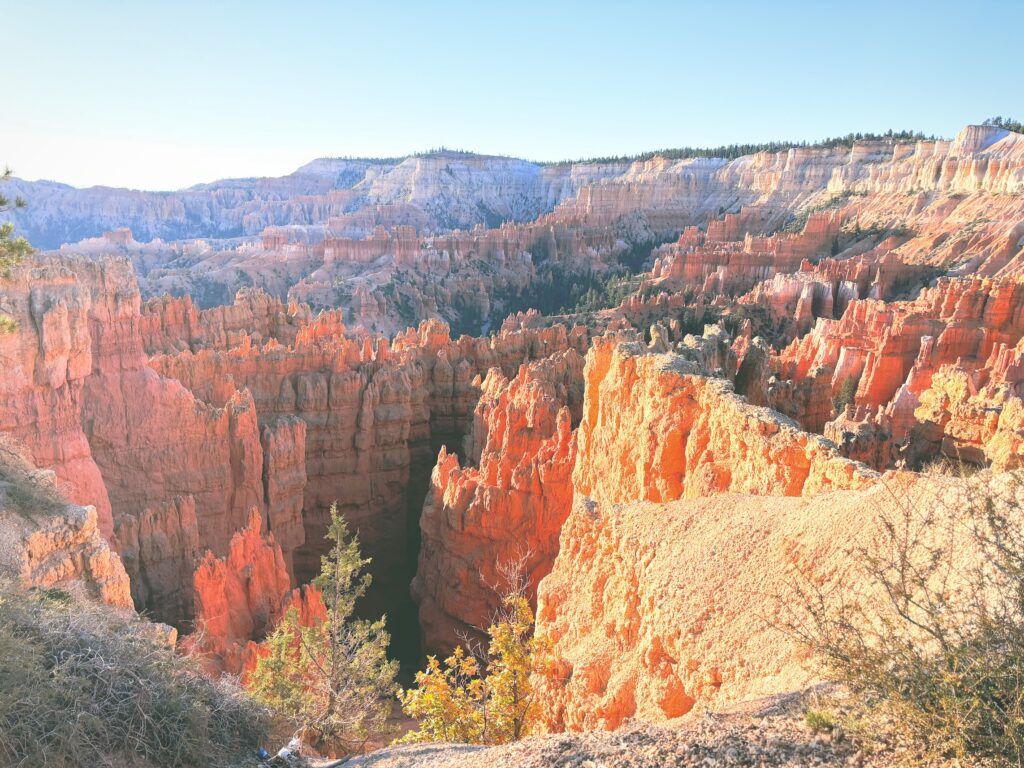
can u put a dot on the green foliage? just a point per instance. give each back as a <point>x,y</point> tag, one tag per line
<point>1007,123</point>
<point>333,678</point>
<point>606,294</point>
<point>82,684</point>
<point>931,641</point>
<point>398,297</point>
<point>732,151</point>
<point>846,393</point>
<point>819,720</point>
<point>8,324</point>
<point>13,250</point>
<point>760,318</point>
<point>486,700</point>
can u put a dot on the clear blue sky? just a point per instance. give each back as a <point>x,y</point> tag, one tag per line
<point>161,95</point>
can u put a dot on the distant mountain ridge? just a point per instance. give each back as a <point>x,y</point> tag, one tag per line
<point>436,192</point>
<point>452,190</point>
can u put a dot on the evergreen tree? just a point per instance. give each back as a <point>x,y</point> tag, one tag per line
<point>13,250</point>
<point>333,678</point>
<point>1007,123</point>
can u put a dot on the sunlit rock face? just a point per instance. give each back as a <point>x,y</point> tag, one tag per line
<point>654,610</point>
<point>938,375</point>
<point>46,359</point>
<point>656,427</point>
<point>504,509</point>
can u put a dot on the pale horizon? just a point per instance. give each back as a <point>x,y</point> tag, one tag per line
<point>165,97</point>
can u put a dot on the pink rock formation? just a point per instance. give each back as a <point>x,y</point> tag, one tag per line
<point>507,509</point>
<point>68,550</point>
<point>238,597</point>
<point>170,325</point>
<point>653,609</point>
<point>46,361</point>
<point>47,543</point>
<point>375,415</point>
<point>160,549</point>
<point>933,374</point>
<point>169,472</point>
<point>284,477</point>
<point>656,427</point>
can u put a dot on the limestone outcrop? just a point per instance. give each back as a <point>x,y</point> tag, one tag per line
<point>166,473</point>
<point>47,543</point>
<point>170,325</point>
<point>46,358</point>
<point>160,549</point>
<point>934,375</point>
<point>373,415</point>
<point>238,597</point>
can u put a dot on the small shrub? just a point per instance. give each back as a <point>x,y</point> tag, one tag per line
<point>86,685</point>
<point>479,700</point>
<point>945,466</point>
<point>846,394</point>
<point>819,721</point>
<point>8,325</point>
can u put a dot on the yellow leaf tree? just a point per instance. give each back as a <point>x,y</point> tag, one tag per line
<point>479,701</point>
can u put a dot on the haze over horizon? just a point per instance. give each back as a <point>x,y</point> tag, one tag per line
<point>553,81</point>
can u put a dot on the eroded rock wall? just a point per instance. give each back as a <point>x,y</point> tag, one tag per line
<point>493,524</point>
<point>656,609</point>
<point>656,427</point>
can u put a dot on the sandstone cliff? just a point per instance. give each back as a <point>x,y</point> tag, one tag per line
<point>238,597</point>
<point>47,543</point>
<point>656,427</point>
<point>654,610</point>
<point>498,518</point>
<point>46,359</point>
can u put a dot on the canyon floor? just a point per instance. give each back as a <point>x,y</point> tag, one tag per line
<point>664,387</point>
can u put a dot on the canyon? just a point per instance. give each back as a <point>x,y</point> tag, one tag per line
<point>775,347</point>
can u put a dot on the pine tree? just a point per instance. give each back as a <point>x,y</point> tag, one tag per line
<point>13,250</point>
<point>333,678</point>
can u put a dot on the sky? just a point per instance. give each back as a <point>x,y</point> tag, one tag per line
<point>162,95</point>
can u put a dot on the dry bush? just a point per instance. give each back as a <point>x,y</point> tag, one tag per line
<point>87,685</point>
<point>8,324</point>
<point>928,631</point>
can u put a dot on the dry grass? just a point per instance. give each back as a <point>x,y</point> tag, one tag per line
<point>24,489</point>
<point>87,685</point>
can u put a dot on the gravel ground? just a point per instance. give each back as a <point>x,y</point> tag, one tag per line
<point>768,733</point>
